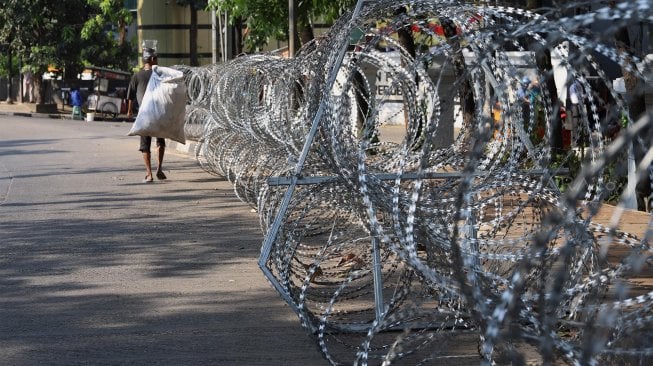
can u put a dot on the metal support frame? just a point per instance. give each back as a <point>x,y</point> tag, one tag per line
<point>276,225</point>
<point>378,279</point>
<point>296,179</point>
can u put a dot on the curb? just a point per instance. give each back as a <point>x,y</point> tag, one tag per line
<point>40,115</point>
<point>190,148</point>
<point>60,115</point>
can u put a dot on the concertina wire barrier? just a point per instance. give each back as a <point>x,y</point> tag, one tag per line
<point>396,251</point>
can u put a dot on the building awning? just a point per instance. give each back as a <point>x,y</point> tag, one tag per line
<point>104,73</point>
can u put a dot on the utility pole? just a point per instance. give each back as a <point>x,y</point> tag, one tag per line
<point>214,38</point>
<point>292,27</point>
<point>223,35</point>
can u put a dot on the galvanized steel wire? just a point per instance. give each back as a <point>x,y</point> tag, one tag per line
<point>475,237</point>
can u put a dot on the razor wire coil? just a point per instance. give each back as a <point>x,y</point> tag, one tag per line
<point>476,239</point>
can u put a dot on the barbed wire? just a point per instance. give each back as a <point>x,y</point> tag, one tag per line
<point>482,235</point>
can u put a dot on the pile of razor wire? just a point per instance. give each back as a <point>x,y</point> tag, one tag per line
<point>408,251</point>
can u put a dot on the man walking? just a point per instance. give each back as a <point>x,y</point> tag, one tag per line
<point>136,91</point>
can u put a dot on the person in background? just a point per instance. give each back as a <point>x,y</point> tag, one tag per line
<point>136,91</point>
<point>576,99</point>
<point>523,98</point>
<point>522,92</point>
<point>529,90</point>
<point>76,100</point>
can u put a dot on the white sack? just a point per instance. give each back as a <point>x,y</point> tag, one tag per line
<point>164,105</point>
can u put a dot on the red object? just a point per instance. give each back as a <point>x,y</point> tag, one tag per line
<point>566,138</point>
<point>439,30</point>
<point>123,106</point>
<point>475,18</point>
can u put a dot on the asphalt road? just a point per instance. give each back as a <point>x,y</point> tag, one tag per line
<point>97,268</point>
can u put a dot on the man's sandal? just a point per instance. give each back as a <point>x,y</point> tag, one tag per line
<point>161,176</point>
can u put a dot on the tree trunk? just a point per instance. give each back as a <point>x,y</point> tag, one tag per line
<point>193,37</point>
<point>634,88</point>
<point>39,88</point>
<point>406,40</point>
<point>122,29</point>
<point>466,91</point>
<point>543,60</point>
<point>533,4</point>
<point>636,102</point>
<point>304,27</point>
<point>238,35</point>
<point>306,34</point>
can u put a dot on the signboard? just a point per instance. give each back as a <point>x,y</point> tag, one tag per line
<point>389,98</point>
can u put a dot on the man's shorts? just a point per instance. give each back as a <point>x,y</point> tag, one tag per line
<point>146,142</point>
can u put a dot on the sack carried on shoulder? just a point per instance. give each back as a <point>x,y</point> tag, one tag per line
<point>163,109</point>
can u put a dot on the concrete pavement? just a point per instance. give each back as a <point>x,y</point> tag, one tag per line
<point>29,110</point>
<point>97,268</point>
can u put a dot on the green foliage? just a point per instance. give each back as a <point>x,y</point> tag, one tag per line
<point>3,65</point>
<point>572,163</point>
<point>613,181</point>
<point>66,34</point>
<point>267,19</point>
<point>264,18</point>
<point>104,34</point>
<point>624,119</point>
<point>330,10</point>
<point>38,32</point>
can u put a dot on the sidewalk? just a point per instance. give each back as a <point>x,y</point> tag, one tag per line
<point>29,110</point>
<point>101,269</point>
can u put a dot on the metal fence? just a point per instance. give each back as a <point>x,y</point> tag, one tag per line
<point>388,249</point>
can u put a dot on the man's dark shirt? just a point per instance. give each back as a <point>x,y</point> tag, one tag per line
<point>138,85</point>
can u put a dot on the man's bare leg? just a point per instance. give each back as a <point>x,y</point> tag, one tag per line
<point>159,169</point>
<point>148,165</point>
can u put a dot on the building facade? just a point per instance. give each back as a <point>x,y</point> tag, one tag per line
<point>169,24</point>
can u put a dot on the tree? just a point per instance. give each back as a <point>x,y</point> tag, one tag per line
<point>268,19</point>
<point>38,34</point>
<point>4,71</point>
<point>264,18</point>
<point>194,6</point>
<point>65,34</point>
<point>104,35</point>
